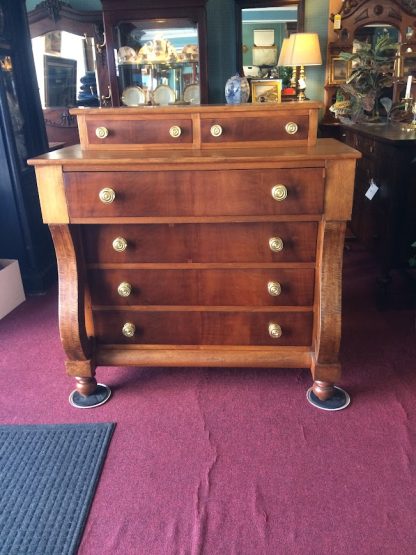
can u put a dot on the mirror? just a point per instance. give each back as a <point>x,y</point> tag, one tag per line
<point>261,28</point>
<point>67,65</point>
<point>371,33</point>
<point>64,64</point>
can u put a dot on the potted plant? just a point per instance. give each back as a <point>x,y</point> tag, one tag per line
<point>371,74</point>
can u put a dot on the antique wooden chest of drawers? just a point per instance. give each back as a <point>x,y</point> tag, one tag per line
<point>199,235</point>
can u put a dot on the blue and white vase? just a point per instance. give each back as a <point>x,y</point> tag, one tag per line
<point>237,90</point>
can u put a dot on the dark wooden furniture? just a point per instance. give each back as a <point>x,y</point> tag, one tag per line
<point>357,14</point>
<point>191,236</point>
<point>156,14</point>
<point>23,236</point>
<point>386,225</point>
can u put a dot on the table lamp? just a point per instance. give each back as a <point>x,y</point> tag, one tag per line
<point>284,61</point>
<point>303,50</point>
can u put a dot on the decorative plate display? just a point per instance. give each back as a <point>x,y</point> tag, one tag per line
<point>192,94</point>
<point>163,95</point>
<point>126,55</point>
<point>157,51</point>
<point>133,96</point>
<point>190,52</point>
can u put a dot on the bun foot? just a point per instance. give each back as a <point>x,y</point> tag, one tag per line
<point>88,394</point>
<point>326,396</point>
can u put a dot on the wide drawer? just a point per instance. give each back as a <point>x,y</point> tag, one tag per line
<point>242,128</point>
<point>213,287</point>
<point>203,328</point>
<point>140,131</point>
<point>194,193</point>
<point>221,243</point>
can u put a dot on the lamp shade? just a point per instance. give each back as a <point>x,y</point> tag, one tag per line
<point>284,54</point>
<point>303,50</point>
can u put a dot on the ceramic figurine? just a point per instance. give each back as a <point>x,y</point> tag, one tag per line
<point>237,90</point>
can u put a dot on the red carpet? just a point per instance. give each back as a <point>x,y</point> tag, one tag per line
<point>211,461</point>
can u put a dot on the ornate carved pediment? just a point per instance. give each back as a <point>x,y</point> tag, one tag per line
<point>53,8</point>
<point>409,5</point>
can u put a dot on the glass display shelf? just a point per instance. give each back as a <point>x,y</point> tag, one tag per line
<point>157,62</point>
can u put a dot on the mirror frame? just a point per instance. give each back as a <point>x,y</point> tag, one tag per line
<point>244,4</point>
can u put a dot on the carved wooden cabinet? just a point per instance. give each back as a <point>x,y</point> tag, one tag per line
<point>208,235</point>
<point>386,222</point>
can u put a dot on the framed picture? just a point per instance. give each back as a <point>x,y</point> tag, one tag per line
<point>60,81</point>
<point>266,90</point>
<point>53,42</point>
<point>339,70</point>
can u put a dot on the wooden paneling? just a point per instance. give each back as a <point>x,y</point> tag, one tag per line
<point>195,193</point>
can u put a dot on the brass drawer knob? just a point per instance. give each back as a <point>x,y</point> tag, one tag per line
<point>276,244</point>
<point>275,331</point>
<point>129,329</point>
<point>291,128</point>
<point>175,131</point>
<point>101,132</point>
<point>119,244</point>
<point>216,130</point>
<point>107,195</point>
<point>124,289</point>
<point>279,192</point>
<point>274,288</point>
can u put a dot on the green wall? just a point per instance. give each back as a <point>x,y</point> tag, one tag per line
<point>222,42</point>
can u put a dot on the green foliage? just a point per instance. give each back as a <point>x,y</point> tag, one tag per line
<point>372,72</point>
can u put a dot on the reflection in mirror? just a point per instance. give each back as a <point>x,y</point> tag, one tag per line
<point>262,26</point>
<point>371,33</point>
<point>64,64</point>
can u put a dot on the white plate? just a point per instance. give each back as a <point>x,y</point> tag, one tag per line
<point>126,55</point>
<point>133,96</point>
<point>192,94</point>
<point>163,94</point>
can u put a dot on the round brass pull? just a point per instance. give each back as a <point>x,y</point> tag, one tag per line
<point>128,330</point>
<point>274,288</point>
<point>107,195</point>
<point>101,132</point>
<point>216,130</point>
<point>119,244</point>
<point>291,128</point>
<point>276,244</point>
<point>175,131</point>
<point>124,289</point>
<point>279,192</point>
<point>275,331</point>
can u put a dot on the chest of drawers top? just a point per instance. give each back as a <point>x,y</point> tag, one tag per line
<point>198,127</point>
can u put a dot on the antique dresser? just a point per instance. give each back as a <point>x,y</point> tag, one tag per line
<point>199,236</point>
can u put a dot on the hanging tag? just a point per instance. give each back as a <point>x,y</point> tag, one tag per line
<point>372,190</point>
<point>337,22</point>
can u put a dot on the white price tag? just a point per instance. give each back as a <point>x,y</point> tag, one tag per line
<point>372,190</point>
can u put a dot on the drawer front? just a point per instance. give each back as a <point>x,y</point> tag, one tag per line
<point>241,129</point>
<point>203,328</point>
<point>138,131</point>
<point>223,243</point>
<point>366,145</point>
<point>234,287</point>
<point>195,193</point>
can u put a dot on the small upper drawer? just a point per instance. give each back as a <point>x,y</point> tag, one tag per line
<point>366,145</point>
<point>195,127</point>
<point>107,132</point>
<point>250,128</point>
<point>194,193</point>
